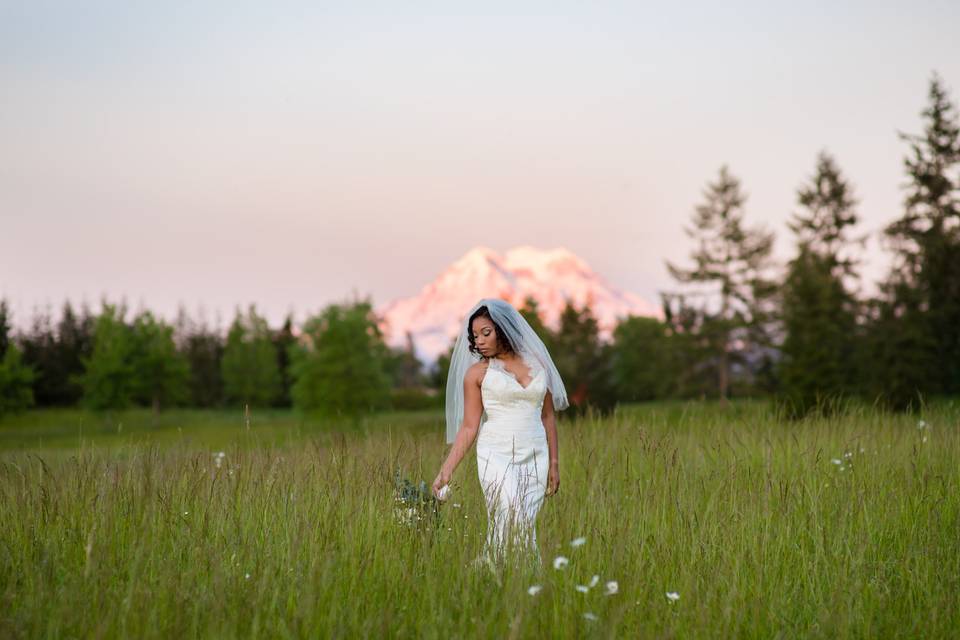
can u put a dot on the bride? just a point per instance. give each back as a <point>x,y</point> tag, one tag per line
<point>501,371</point>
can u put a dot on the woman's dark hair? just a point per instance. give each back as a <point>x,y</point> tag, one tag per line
<point>502,340</point>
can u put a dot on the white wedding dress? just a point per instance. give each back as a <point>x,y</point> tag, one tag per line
<point>512,459</point>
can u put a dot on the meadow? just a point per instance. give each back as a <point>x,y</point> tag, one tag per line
<point>207,524</point>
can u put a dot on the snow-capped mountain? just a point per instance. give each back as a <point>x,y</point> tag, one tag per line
<point>551,277</point>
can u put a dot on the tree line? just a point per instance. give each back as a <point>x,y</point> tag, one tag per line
<point>337,364</point>
<point>737,323</point>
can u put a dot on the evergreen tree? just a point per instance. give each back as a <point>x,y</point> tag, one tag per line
<point>403,366</point>
<point>643,366</point>
<point>5,328</point>
<point>56,354</point>
<point>732,261</point>
<point>818,311</point>
<point>39,345</point>
<point>341,367</point>
<point>583,360</point>
<point>249,366</point>
<point>202,347</point>
<point>16,378</point>
<point>283,342</point>
<point>161,372</point>
<point>74,343</point>
<point>109,376</point>
<point>531,313</point>
<point>919,330</point>
<point>692,347</point>
<point>441,368</point>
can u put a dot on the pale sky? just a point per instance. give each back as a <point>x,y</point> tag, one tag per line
<point>290,154</point>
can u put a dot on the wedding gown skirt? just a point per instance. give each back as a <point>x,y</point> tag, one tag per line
<point>512,460</point>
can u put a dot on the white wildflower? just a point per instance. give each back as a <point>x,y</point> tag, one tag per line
<point>246,577</point>
<point>922,424</point>
<point>673,596</point>
<point>576,542</point>
<point>534,590</point>
<point>582,588</point>
<point>594,580</point>
<point>590,616</point>
<point>836,461</point>
<point>612,587</point>
<point>560,562</point>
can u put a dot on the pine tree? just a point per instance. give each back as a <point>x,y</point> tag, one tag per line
<point>5,327</point>
<point>403,366</point>
<point>74,342</point>
<point>919,330</point>
<point>692,347</point>
<point>818,311</point>
<point>16,377</point>
<point>283,341</point>
<point>732,261</point>
<point>582,360</point>
<point>202,347</point>
<point>531,313</point>
<point>643,365</point>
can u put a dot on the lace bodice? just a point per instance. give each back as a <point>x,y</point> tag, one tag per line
<point>506,401</point>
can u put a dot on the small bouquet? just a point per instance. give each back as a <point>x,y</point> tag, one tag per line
<point>416,503</point>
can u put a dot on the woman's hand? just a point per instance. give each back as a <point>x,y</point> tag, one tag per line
<point>553,480</point>
<point>443,478</point>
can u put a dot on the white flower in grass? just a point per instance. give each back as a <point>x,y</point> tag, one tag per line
<point>576,542</point>
<point>836,461</point>
<point>590,616</point>
<point>922,424</point>
<point>612,587</point>
<point>246,576</point>
<point>560,562</point>
<point>593,581</point>
<point>582,588</point>
<point>186,513</point>
<point>534,589</point>
<point>673,596</point>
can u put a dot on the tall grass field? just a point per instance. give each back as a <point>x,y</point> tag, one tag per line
<point>698,521</point>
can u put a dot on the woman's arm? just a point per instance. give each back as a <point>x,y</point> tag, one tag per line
<point>549,418</point>
<point>472,410</point>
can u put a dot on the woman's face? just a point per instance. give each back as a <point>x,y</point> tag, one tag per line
<point>485,337</point>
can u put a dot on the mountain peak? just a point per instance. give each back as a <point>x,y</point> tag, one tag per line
<point>552,277</point>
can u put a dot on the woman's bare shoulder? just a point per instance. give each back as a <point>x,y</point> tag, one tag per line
<point>476,371</point>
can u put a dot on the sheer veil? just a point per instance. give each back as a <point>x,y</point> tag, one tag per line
<point>525,342</point>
